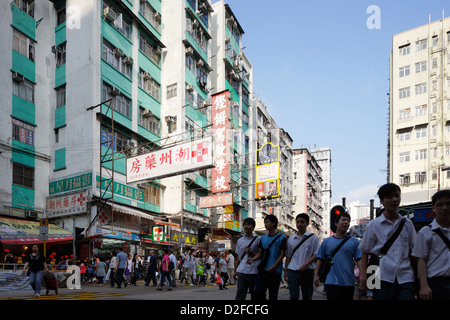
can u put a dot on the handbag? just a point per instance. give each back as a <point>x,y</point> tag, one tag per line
<point>266,253</point>
<point>374,260</point>
<point>200,270</point>
<point>328,262</point>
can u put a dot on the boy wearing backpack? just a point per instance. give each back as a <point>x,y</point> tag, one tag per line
<point>432,249</point>
<point>272,249</point>
<point>396,273</point>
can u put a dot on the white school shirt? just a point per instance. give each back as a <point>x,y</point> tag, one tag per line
<point>432,248</point>
<point>395,264</point>
<point>303,253</point>
<point>243,266</point>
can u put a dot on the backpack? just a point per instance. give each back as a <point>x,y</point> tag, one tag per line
<point>171,266</point>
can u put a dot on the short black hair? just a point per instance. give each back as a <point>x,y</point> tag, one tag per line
<point>339,216</point>
<point>440,194</point>
<point>272,218</point>
<point>387,189</point>
<point>249,221</point>
<point>302,216</point>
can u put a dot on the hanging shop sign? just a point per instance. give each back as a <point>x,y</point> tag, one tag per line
<point>218,200</point>
<point>68,204</point>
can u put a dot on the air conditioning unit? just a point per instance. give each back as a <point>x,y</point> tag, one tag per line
<point>190,87</point>
<point>235,104</point>
<point>128,144</point>
<point>227,39</point>
<point>109,14</point>
<point>128,61</point>
<point>146,76</point>
<point>194,23</point>
<point>31,214</point>
<point>157,16</point>
<point>200,63</point>
<point>170,118</point>
<point>147,113</point>
<point>114,92</point>
<point>189,51</point>
<point>206,103</point>
<point>118,52</point>
<point>142,185</point>
<point>17,77</point>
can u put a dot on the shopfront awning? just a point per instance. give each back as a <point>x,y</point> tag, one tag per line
<point>16,231</point>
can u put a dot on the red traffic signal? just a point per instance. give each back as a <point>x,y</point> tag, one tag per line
<point>335,211</point>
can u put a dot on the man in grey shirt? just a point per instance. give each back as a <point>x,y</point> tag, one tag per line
<point>121,264</point>
<point>246,273</point>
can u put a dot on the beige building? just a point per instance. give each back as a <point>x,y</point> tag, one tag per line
<point>419,113</point>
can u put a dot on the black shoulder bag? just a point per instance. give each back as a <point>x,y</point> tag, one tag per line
<point>375,260</point>
<point>266,253</point>
<point>249,246</point>
<point>301,242</point>
<point>328,262</point>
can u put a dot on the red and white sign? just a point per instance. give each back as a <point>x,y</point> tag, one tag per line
<point>185,157</point>
<point>218,200</point>
<point>220,119</point>
<point>67,205</point>
<point>158,233</point>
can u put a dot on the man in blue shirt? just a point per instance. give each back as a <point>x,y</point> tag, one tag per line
<point>270,267</point>
<point>121,259</point>
<point>340,281</point>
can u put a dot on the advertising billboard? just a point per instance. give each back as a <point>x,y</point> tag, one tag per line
<point>267,171</point>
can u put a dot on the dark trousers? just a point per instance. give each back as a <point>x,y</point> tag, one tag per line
<point>166,274</point>
<point>335,292</point>
<point>112,277</point>
<point>440,288</point>
<point>395,291</point>
<point>303,279</point>
<point>120,278</point>
<point>245,282</point>
<point>264,281</point>
<point>224,276</point>
<point>151,276</point>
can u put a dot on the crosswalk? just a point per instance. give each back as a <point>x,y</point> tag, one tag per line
<point>69,296</point>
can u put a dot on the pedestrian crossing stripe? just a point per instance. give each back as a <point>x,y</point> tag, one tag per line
<point>69,296</point>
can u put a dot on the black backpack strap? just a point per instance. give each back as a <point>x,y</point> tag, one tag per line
<point>273,241</point>
<point>340,246</point>
<point>301,242</point>
<point>443,237</point>
<point>392,239</point>
<point>249,246</point>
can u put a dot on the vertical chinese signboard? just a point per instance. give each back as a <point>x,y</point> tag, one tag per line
<point>220,119</point>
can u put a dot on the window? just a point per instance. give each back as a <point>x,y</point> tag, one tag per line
<point>114,57</point>
<point>404,71</point>
<point>190,129</point>
<point>404,136</point>
<point>152,195</point>
<point>404,92</point>
<point>23,44</point>
<point>150,49</point>
<point>421,132</point>
<point>405,179</point>
<point>150,15</point>
<point>421,154</point>
<point>421,110</point>
<point>171,91</point>
<point>60,53</point>
<point>149,121</point>
<point>421,88</point>
<point>405,157</point>
<point>149,85</point>
<point>434,41</point>
<point>404,50</point>
<point>421,66</point>
<point>420,177</point>
<point>26,6</point>
<point>421,45</point>
<point>404,114</point>
<point>434,64</point>
<point>23,175</point>
<point>434,107</point>
<point>61,96</point>
<point>23,132</point>
<point>61,16</point>
<point>119,141</point>
<point>24,90</point>
<point>119,23</point>
<point>120,103</point>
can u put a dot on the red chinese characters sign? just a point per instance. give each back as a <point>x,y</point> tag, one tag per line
<point>218,200</point>
<point>220,120</point>
<point>185,157</point>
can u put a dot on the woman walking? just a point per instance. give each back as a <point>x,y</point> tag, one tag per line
<point>35,263</point>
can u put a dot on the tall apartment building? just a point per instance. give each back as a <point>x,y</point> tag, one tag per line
<point>307,188</point>
<point>419,127</point>
<point>266,131</point>
<point>323,158</point>
<point>87,84</point>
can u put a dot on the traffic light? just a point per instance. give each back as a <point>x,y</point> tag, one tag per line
<point>334,212</point>
<point>78,237</point>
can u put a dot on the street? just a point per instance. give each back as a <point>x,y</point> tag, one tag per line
<point>140,292</point>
